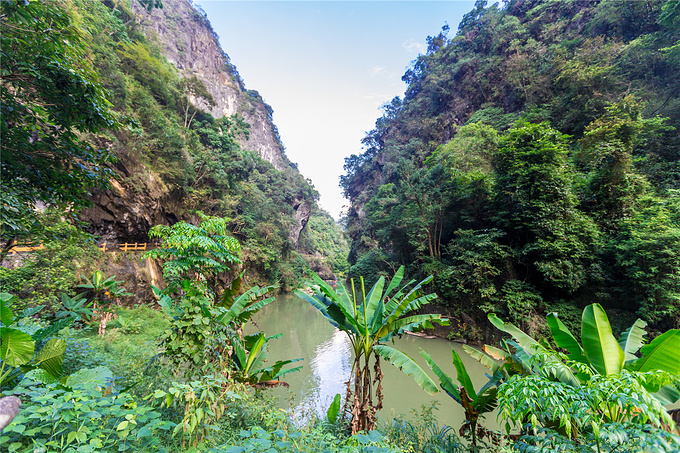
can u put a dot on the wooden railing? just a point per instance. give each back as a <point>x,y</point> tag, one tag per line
<point>129,247</point>
<point>25,248</point>
<point>104,247</point>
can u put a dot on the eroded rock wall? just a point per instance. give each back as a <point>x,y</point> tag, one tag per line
<point>189,43</point>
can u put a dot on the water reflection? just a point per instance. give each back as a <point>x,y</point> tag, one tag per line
<point>330,366</point>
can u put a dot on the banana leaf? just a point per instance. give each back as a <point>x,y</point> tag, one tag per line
<point>601,348</point>
<point>482,358</point>
<point>445,381</point>
<point>632,339</point>
<point>662,353</point>
<point>408,366</point>
<point>564,338</point>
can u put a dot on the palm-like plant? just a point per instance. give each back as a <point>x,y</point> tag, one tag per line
<point>598,361</point>
<point>102,292</point>
<point>475,404</point>
<point>248,358</point>
<point>599,352</point>
<point>369,321</point>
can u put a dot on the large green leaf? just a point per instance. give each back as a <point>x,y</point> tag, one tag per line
<point>239,355</point>
<point>333,409</point>
<point>601,348</point>
<point>445,381</point>
<point>275,371</point>
<point>6,316</point>
<point>662,353</point>
<point>463,376</point>
<point>340,297</point>
<point>564,338</point>
<point>408,366</point>
<point>16,347</point>
<point>373,299</point>
<point>632,339</point>
<point>482,358</point>
<point>51,356</point>
<point>90,377</point>
<point>316,303</point>
<point>530,345</point>
<point>410,324</point>
<point>396,280</point>
<point>667,395</point>
<point>230,292</point>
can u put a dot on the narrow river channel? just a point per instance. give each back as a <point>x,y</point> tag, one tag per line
<point>326,365</point>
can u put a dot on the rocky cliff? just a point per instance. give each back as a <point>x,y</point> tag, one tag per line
<point>189,43</point>
<point>139,198</point>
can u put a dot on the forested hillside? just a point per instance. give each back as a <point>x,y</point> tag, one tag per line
<point>95,116</point>
<point>532,165</point>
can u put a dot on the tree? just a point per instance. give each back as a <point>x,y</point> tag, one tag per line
<point>607,148</point>
<point>537,206</point>
<point>369,321</point>
<point>647,254</point>
<point>199,253</point>
<point>50,97</point>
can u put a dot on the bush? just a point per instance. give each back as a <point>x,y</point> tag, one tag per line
<point>85,419</point>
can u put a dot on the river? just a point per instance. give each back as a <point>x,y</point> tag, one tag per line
<point>326,365</point>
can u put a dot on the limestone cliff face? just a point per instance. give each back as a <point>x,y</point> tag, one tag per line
<point>189,43</point>
<point>138,199</point>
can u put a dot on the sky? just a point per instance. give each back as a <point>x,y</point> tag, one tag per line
<point>326,68</point>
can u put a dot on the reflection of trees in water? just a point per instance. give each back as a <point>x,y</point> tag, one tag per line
<point>331,369</point>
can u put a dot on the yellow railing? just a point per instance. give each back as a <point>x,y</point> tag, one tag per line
<point>128,247</point>
<point>25,248</point>
<point>104,247</point>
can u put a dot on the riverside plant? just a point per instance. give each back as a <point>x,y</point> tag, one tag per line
<point>370,319</point>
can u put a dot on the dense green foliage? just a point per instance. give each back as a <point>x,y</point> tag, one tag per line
<point>100,103</point>
<point>50,96</point>
<point>41,277</point>
<point>532,164</point>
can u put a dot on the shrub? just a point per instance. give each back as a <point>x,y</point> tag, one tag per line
<point>84,418</point>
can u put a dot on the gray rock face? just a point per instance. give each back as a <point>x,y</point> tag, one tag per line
<point>189,43</point>
<point>9,408</point>
<point>302,213</point>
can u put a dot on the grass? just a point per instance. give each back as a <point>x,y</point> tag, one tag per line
<point>127,348</point>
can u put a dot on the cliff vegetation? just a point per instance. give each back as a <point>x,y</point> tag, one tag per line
<point>532,166</point>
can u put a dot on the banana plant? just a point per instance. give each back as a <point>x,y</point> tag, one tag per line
<point>475,404</point>
<point>99,291</point>
<point>248,358</point>
<point>370,320</point>
<point>18,353</point>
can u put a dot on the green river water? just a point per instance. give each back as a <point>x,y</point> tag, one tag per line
<point>326,365</point>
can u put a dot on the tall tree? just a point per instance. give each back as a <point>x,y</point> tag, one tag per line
<point>536,205</point>
<point>50,97</point>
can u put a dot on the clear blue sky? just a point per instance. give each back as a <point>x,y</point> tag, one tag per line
<point>326,68</point>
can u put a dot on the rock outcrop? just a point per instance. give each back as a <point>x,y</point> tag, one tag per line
<point>139,199</point>
<point>189,43</point>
